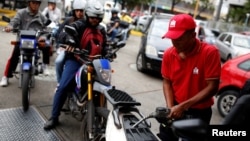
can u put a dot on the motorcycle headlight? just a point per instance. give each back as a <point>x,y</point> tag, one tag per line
<point>106,75</point>
<point>27,43</point>
<point>151,50</point>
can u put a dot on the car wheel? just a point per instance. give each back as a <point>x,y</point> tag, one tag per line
<point>226,101</point>
<point>140,63</point>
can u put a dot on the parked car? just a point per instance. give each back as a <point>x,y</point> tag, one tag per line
<point>206,34</point>
<point>234,74</point>
<point>152,46</point>
<point>245,33</point>
<point>143,22</point>
<point>232,44</point>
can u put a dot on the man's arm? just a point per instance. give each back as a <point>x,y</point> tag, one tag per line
<point>206,93</point>
<point>168,92</point>
<point>45,11</point>
<point>15,22</point>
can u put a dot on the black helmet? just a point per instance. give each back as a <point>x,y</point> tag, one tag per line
<point>94,9</point>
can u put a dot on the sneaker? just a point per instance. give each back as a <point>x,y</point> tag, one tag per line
<point>4,82</point>
<point>46,70</point>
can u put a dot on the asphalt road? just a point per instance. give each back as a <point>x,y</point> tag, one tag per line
<point>146,88</point>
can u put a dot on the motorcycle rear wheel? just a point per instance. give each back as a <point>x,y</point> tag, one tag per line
<point>26,90</point>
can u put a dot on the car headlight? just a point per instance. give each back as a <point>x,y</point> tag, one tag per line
<point>27,43</point>
<point>151,50</point>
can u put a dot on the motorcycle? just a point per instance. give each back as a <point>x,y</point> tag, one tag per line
<point>123,31</point>
<point>27,40</point>
<point>236,119</point>
<point>53,28</point>
<point>86,102</point>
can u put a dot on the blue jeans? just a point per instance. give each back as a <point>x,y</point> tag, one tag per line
<point>59,64</point>
<point>67,83</point>
<point>113,34</point>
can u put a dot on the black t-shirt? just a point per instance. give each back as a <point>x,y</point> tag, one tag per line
<point>114,20</point>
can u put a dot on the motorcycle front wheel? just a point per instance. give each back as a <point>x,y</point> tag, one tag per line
<point>98,127</point>
<point>26,89</point>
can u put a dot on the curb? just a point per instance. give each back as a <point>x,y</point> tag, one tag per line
<point>136,33</point>
<point>2,23</point>
<point>8,13</point>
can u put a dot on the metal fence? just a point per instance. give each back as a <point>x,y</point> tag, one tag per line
<point>227,27</point>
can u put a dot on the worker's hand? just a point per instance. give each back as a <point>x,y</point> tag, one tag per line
<point>176,112</point>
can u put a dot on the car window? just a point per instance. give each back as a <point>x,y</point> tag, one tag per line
<point>229,38</point>
<point>242,42</point>
<point>222,37</point>
<point>159,27</point>
<point>245,65</point>
<point>201,31</point>
<point>208,32</point>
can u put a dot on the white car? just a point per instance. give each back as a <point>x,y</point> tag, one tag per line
<point>143,22</point>
<point>232,44</point>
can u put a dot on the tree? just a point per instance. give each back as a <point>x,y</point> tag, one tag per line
<point>203,6</point>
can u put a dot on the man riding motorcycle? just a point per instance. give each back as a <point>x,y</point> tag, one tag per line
<point>29,18</point>
<point>94,15</point>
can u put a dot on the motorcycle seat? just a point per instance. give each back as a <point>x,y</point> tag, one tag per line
<point>120,98</point>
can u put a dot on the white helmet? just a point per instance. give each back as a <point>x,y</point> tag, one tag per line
<point>124,11</point>
<point>79,4</point>
<point>94,9</point>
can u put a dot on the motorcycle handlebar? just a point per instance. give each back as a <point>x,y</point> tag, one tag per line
<point>160,112</point>
<point>85,53</point>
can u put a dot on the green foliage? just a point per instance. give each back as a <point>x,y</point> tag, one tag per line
<point>238,14</point>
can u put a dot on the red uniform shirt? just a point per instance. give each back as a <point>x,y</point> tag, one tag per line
<point>189,75</point>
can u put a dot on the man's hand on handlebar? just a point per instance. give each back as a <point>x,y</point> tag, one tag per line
<point>8,29</point>
<point>70,48</point>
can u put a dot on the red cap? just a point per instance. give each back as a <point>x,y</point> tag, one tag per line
<point>178,25</point>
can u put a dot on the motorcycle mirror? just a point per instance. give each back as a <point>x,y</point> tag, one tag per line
<point>70,30</point>
<point>121,44</point>
<point>5,18</point>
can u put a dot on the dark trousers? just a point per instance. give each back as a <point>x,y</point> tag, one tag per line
<point>14,58</point>
<point>66,83</point>
<point>166,133</point>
